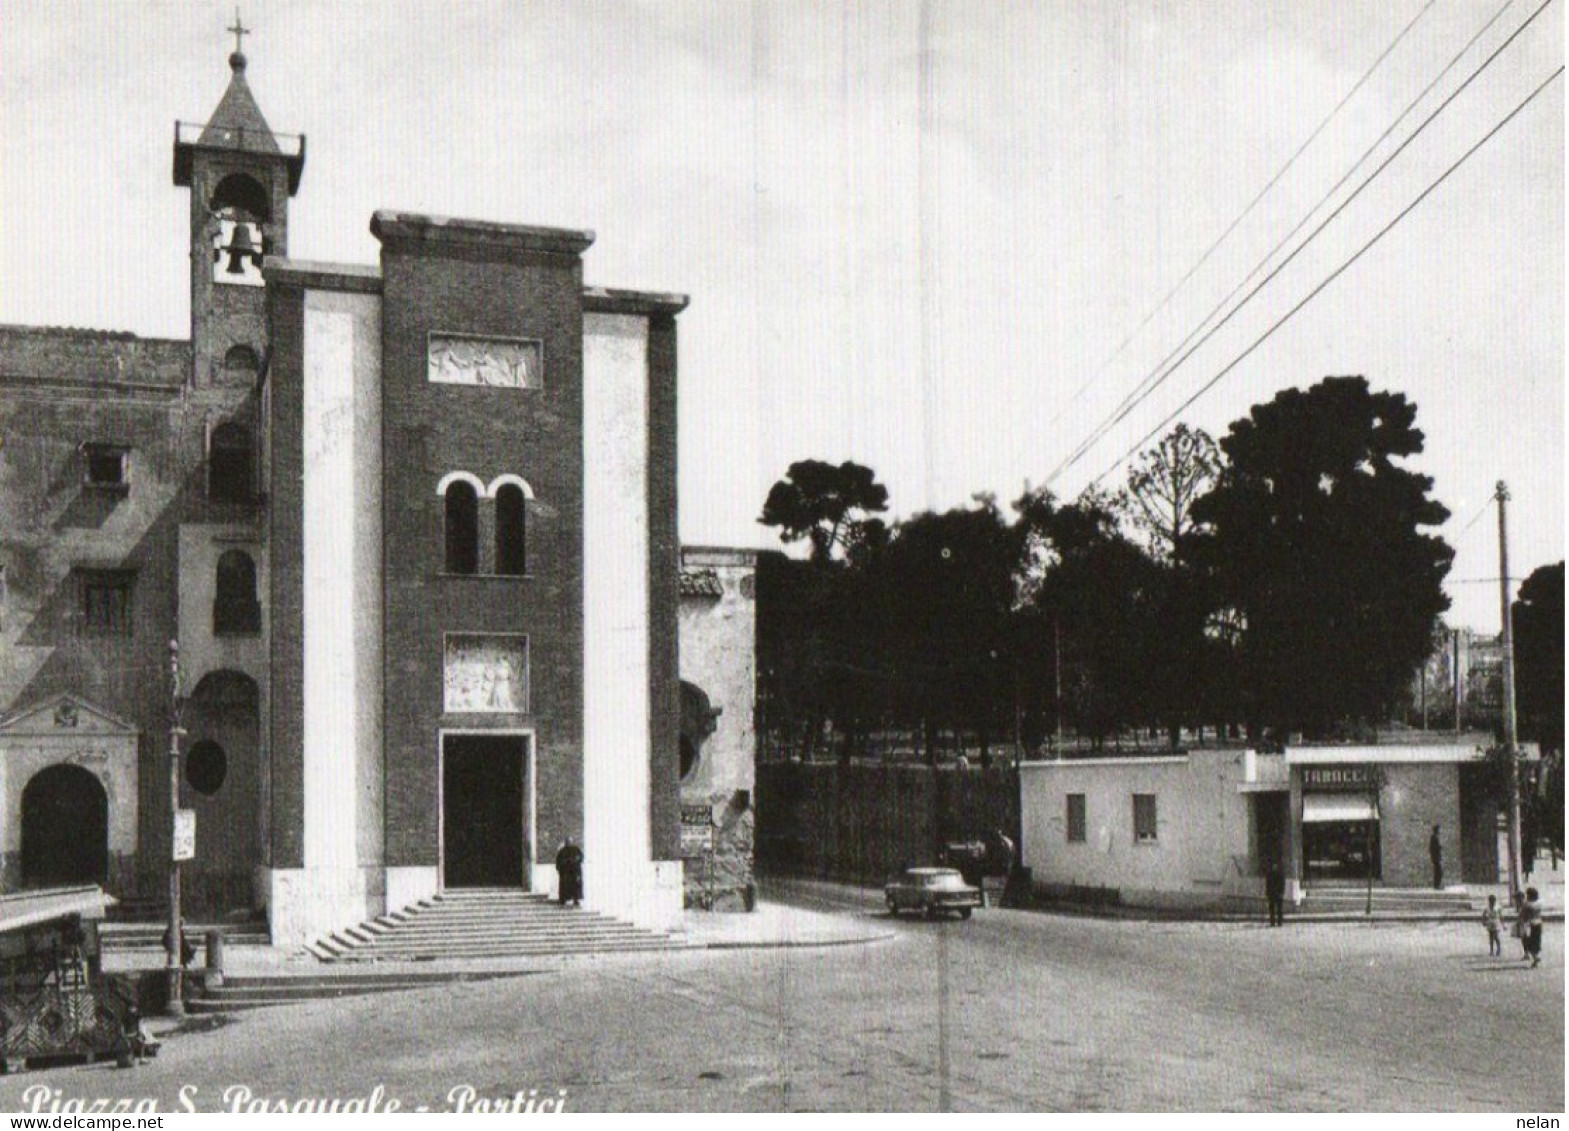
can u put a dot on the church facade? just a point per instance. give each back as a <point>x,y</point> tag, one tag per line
<point>389,550</point>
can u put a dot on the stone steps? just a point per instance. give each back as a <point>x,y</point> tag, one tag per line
<point>486,925</point>
<point>1347,897</point>
<point>240,994</point>
<point>131,938</point>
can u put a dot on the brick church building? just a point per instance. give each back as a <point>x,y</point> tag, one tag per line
<point>413,529</point>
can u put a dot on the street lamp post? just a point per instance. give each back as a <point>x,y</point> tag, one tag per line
<point>173,936</point>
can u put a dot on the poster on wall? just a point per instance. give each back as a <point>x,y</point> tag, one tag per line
<point>185,834</point>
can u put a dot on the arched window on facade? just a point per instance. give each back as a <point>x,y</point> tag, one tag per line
<point>229,464</point>
<point>511,531</point>
<point>235,609</point>
<point>241,365</point>
<point>462,527</point>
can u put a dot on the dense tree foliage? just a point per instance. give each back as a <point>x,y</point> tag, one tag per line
<point>1314,536</point>
<point>828,505</point>
<point>1284,579</point>
<point>1538,616</point>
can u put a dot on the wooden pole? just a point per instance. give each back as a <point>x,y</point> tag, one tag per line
<point>1511,753</point>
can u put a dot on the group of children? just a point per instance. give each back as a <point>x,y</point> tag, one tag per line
<point>1527,926</point>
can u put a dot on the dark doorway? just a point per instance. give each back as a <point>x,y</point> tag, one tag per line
<point>65,828</point>
<point>482,802</point>
<point>1272,823</point>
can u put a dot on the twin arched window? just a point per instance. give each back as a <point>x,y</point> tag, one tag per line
<point>464,523</point>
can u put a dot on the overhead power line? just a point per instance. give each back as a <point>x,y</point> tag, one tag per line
<point>1157,375</point>
<point>1477,517</point>
<point>1316,291</point>
<point>1246,212</point>
<point>1124,410</point>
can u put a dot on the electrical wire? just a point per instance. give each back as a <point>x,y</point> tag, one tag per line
<point>1156,377</point>
<point>1316,291</point>
<point>1245,213</point>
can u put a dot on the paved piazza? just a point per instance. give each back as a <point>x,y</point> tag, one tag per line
<point>1009,1011</point>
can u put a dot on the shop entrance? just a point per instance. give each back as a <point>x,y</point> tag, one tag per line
<point>483,803</point>
<point>1340,838</point>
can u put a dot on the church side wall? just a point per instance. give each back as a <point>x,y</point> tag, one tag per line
<point>60,389</point>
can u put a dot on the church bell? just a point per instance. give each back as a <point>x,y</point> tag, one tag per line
<point>240,249</point>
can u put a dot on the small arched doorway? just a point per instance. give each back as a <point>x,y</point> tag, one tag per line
<point>65,828</point>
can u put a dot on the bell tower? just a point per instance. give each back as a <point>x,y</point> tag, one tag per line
<point>241,176</point>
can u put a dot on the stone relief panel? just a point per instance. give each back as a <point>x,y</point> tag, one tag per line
<point>498,363</point>
<point>486,674</point>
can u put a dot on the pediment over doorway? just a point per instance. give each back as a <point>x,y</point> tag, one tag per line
<point>65,714</point>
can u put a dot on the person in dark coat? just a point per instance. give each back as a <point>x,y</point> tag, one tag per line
<point>569,872</point>
<point>1275,893</point>
<point>186,947</point>
<point>1435,850</point>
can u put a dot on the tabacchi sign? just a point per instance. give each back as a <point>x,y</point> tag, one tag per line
<point>1346,778</point>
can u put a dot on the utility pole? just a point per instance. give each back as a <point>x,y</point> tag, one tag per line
<point>1511,753</point>
<point>174,934</point>
<point>1056,635</point>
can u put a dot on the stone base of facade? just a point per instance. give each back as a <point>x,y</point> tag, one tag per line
<point>724,880</point>
<point>651,899</point>
<point>306,903</point>
<point>409,885</point>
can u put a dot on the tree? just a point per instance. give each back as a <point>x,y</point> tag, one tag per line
<point>1538,617</point>
<point>825,504</point>
<point>1166,481</point>
<point>1099,599</point>
<point>945,589</point>
<point>1315,542</point>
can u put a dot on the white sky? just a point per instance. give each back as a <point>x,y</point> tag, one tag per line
<point>1070,163</point>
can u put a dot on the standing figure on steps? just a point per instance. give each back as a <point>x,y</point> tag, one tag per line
<point>569,871</point>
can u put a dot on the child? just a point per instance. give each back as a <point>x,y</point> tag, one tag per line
<point>1492,920</point>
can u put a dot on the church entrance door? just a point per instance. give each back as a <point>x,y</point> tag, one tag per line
<point>483,801</point>
<point>65,828</point>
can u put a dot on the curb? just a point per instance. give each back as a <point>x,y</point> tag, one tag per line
<point>795,944</point>
<point>1154,915</point>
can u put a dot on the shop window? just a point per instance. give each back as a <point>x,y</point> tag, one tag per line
<point>206,767</point>
<point>462,527</point>
<point>511,531</point>
<point>1144,818</point>
<point>106,602</point>
<point>1077,822</point>
<point>229,464</point>
<point>106,467</point>
<point>235,609</point>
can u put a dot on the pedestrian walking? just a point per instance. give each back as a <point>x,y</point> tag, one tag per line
<point>1435,849</point>
<point>1531,921</point>
<point>1275,893</point>
<point>1517,929</point>
<point>569,874</point>
<point>1492,919</point>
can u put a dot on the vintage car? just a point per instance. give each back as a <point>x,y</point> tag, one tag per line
<point>935,891</point>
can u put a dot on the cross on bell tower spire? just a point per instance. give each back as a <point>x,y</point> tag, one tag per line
<point>240,31</point>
